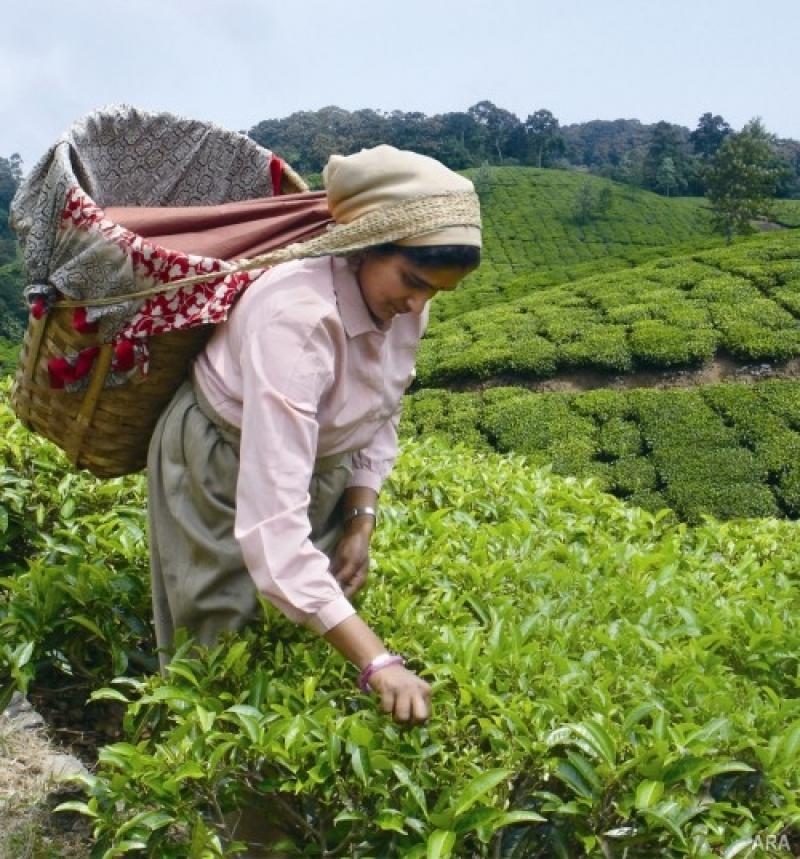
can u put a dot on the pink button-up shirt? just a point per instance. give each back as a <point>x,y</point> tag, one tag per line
<point>305,371</point>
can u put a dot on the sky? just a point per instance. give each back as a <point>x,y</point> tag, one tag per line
<point>236,62</point>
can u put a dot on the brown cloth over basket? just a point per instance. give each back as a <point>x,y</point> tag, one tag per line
<point>125,201</point>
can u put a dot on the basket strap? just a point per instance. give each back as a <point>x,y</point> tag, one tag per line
<point>83,419</point>
<point>141,293</point>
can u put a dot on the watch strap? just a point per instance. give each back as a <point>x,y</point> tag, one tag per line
<point>353,512</point>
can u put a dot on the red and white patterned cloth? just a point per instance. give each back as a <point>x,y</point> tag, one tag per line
<point>185,307</point>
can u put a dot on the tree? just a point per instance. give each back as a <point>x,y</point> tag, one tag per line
<point>589,203</point>
<point>583,204</point>
<point>498,122</point>
<point>666,142</point>
<point>631,168</point>
<point>10,177</point>
<point>482,181</point>
<point>742,179</point>
<point>605,200</point>
<point>666,176</point>
<point>462,134</point>
<point>788,153</point>
<point>543,135</point>
<point>707,138</point>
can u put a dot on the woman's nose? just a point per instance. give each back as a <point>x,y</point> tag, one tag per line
<point>416,303</point>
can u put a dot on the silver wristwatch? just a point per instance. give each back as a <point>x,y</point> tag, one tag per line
<point>352,512</point>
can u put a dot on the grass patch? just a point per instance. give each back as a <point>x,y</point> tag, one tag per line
<point>28,793</point>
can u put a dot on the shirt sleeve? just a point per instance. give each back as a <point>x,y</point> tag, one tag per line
<point>373,463</point>
<point>284,376</point>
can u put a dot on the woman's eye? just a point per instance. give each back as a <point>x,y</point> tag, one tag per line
<point>415,284</point>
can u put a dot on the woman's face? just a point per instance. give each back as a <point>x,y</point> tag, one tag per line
<point>394,284</point>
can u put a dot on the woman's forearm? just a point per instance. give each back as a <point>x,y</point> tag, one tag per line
<point>353,638</point>
<point>360,496</point>
<point>355,641</point>
<point>403,694</point>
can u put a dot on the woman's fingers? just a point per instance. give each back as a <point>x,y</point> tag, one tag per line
<point>351,563</point>
<point>402,708</point>
<point>411,708</point>
<point>420,709</point>
<point>388,699</point>
<point>355,582</point>
<point>344,570</point>
<point>403,694</point>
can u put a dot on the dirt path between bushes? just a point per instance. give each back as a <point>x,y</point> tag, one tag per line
<point>723,368</point>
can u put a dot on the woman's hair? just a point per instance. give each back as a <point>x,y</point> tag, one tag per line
<point>433,256</point>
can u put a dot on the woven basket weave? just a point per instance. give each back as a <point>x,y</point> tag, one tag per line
<point>103,429</point>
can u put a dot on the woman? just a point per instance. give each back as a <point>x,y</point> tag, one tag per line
<point>265,469</point>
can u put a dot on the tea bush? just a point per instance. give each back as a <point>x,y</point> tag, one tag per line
<point>605,680</point>
<point>9,354</point>
<point>675,312</point>
<point>787,212</point>
<point>727,450</point>
<point>531,239</point>
<point>74,593</point>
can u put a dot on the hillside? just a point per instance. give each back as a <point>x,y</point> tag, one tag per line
<point>728,450</point>
<point>13,309</point>
<point>677,311</point>
<point>787,212</point>
<point>532,238</point>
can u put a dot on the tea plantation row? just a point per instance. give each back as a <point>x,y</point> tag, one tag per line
<point>532,238</point>
<point>606,680</point>
<point>675,312</point>
<point>728,450</point>
<point>787,212</point>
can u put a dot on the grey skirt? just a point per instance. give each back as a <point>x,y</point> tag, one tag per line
<point>199,578</point>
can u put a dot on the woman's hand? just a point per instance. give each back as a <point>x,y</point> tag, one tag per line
<point>351,559</point>
<point>403,694</point>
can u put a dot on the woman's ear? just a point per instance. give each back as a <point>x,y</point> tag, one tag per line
<point>354,261</point>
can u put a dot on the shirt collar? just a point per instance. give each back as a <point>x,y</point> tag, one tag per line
<point>355,314</point>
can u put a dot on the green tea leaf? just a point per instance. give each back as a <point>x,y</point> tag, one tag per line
<point>440,844</point>
<point>648,793</point>
<point>477,788</point>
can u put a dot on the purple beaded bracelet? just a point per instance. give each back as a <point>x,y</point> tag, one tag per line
<point>384,660</point>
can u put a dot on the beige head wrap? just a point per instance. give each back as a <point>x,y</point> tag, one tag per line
<point>385,179</point>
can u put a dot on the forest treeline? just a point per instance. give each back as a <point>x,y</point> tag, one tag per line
<point>10,177</point>
<point>13,310</point>
<point>662,157</point>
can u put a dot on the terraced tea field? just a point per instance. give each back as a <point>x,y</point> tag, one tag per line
<point>729,450</point>
<point>679,311</point>
<point>532,239</point>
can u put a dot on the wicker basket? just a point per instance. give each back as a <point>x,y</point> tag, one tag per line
<point>103,429</point>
